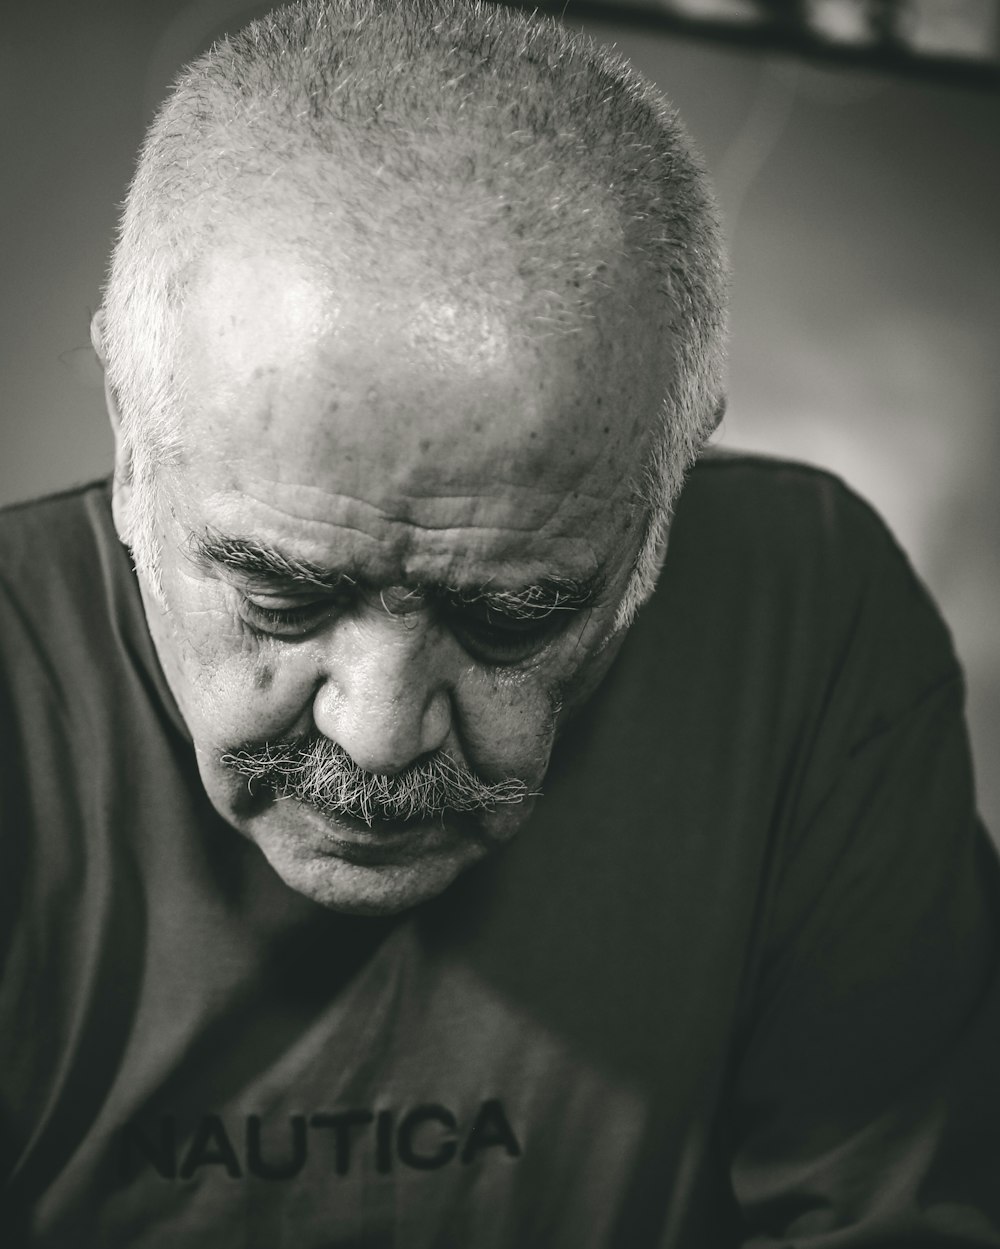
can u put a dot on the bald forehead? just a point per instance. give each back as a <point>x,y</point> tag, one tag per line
<point>424,356</point>
<point>423,431</point>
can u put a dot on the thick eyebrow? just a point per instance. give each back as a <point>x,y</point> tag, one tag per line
<point>532,602</point>
<point>252,558</point>
<point>256,559</point>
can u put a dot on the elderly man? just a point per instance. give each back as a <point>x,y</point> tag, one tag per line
<point>383,864</point>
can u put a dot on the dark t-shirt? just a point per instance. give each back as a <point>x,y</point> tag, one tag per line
<point>733,984</point>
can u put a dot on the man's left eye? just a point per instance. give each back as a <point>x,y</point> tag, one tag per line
<point>499,640</point>
<point>285,617</point>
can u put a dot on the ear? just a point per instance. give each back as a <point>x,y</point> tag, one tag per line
<point>122,486</point>
<point>720,412</point>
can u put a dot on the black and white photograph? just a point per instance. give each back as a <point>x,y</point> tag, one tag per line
<point>500,624</point>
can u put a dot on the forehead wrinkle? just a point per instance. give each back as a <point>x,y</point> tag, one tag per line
<point>532,502</point>
<point>388,530</point>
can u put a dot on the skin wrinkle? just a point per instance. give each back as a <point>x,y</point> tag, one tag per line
<point>387,539</point>
<point>443,492</point>
<point>560,500</point>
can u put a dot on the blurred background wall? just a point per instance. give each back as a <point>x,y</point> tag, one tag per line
<point>862,210</point>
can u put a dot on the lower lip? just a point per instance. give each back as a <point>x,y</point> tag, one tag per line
<point>370,852</point>
<point>381,843</point>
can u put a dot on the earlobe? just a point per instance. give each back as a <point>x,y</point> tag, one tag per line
<point>97,336</point>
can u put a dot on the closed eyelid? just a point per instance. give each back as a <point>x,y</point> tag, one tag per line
<point>279,585</point>
<point>279,602</point>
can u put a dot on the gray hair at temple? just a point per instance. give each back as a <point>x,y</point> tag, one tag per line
<point>380,120</point>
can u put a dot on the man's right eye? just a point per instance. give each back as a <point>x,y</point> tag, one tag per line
<point>287,618</point>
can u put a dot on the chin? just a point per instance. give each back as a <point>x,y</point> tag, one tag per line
<point>360,870</point>
<point>368,889</point>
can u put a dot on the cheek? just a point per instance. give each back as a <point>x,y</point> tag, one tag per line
<point>262,676</point>
<point>250,698</point>
<point>506,723</point>
<point>231,688</point>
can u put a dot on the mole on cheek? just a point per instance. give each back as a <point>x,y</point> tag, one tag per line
<point>263,676</point>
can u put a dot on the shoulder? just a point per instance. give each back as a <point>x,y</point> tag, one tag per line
<point>780,518</point>
<point>789,557</point>
<point>796,506</point>
<point>65,521</point>
<point>51,548</point>
<point>59,559</point>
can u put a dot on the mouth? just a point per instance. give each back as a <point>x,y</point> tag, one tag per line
<point>383,841</point>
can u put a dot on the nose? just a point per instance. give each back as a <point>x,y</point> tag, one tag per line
<point>381,699</point>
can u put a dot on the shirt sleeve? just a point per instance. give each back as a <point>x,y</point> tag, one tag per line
<point>866,1093</point>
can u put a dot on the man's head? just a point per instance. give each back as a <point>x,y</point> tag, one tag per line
<point>414,324</point>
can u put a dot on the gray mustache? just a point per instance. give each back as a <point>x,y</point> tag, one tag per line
<point>321,773</point>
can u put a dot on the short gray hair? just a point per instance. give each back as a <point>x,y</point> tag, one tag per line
<point>394,102</point>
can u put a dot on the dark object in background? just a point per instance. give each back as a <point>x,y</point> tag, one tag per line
<point>955,42</point>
